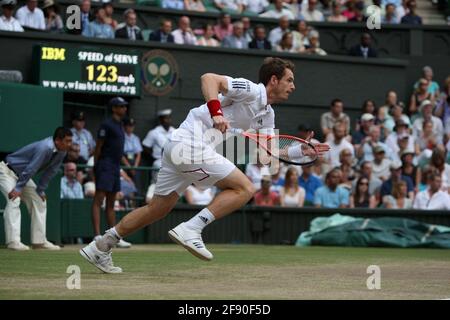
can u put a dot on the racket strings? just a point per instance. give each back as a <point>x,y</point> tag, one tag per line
<point>278,144</point>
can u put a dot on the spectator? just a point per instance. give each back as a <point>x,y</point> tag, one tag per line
<point>310,183</point>
<point>350,10</point>
<point>411,17</point>
<point>390,102</point>
<point>277,12</point>
<point>109,11</point>
<point>337,144</point>
<point>443,107</point>
<point>194,5</point>
<point>361,198</point>
<point>107,156</point>
<point>380,167</point>
<point>370,107</point>
<point>374,183</point>
<point>248,31</point>
<point>336,114</point>
<point>433,198</point>
<point>73,155</point>
<point>420,95</point>
<point>224,28</point>
<point>301,35</point>
<point>16,184</point>
<point>427,140</point>
<point>331,195</point>
<point>156,138</point>
<point>277,179</point>
<point>98,28</point>
<point>197,195</point>
<point>426,109</point>
<point>311,14</point>
<point>266,197</point>
<point>82,136</point>
<point>53,21</point>
<point>86,15</point>
<point>286,44</point>
<point>292,195</point>
<point>365,151</point>
<point>390,16</point>
<point>314,45</point>
<point>364,49</point>
<point>346,158</point>
<point>409,169</point>
<point>276,34</point>
<point>395,114</point>
<point>396,176</point>
<point>207,39</point>
<point>132,147</point>
<point>70,187</point>
<point>367,121</point>
<point>184,33</point>
<point>336,15</point>
<point>403,142</point>
<point>164,33</point>
<point>401,10</point>
<point>7,21</point>
<point>437,162</point>
<point>358,13</point>
<point>260,41</point>
<point>172,4</point>
<point>401,130</point>
<point>230,6</point>
<point>398,199</point>
<point>31,16</point>
<point>130,31</point>
<point>255,172</point>
<point>127,190</point>
<point>237,40</point>
<point>255,7</point>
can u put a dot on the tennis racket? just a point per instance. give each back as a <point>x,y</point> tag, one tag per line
<point>286,148</point>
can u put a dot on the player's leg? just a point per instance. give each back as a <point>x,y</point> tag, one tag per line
<point>99,197</point>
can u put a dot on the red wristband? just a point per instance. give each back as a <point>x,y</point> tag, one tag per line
<point>214,108</point>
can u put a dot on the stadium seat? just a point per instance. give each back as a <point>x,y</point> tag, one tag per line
<point>209,6</point>
<point>146,33</point>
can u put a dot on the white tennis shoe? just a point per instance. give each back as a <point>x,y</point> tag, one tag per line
<point>123,244</point>
<point>100,259</point>
<point>190,240</point>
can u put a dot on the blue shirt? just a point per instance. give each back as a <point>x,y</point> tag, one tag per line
<point>71,190</point>
<point>132,146</point>
<point>410,19</point>
<point>84,139</point>
<point>386,187</point>
<point>98,30</point>
<point>331,199</point>
<point>41,156</point>
<point>111,131</point>
<point>310,186</point>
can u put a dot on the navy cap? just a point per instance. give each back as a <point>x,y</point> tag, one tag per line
<point>129,122</point>
<point>78,115</point>
<point>117,101</point>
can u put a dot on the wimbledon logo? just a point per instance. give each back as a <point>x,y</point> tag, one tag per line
<point>160,72</point>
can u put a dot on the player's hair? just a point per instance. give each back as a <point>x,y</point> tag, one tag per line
<point>61,133</point>
<point>274,66</point>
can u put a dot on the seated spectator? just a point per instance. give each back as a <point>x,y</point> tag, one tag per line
<point>336,15</point>
<point>207,39</point>
<point>184,33</point>
<point>86,15</point>
<point>336,114</point>
<point>130,31</point>
<point>337,144</point>
<point>230,6</point>
<point>292,195</point>
<point>409,169</point>
<point>403,143</point>
<point>310,183</point>
<point>400,131</point>
<point>358,13</point>
<point>427,142</point>
<point>237,39</point>
<point>128,190</point>
<point>390,16</point>
<point>411,17</point>
<point>132,151</point>
<point>255,172</point>
<point>366,169</point>
<point>419,95</point>
<point>401,10</point>
<point>73,155</point>
<point>248,30</point>
<point>82,136</point>
<point>381,165</point>
<point>365,151</point>
<point>442,110</point>
<point>398,199</point>
<point>361,198</point>
<point>346,158</point>
<point>311,14</point>
<point>224,28</point>
<point>277,179</point>
<point>255,7</point>
<point>53,21</point>
<point>437,162</point>
<point>396,114</point>
<point>109,11</point>
<point>194,5</point>
<point>396,176</point>
<point>364,49</point>
<point>366,122</point>
<point>197,195</point>
<point>278,11</point>
<point>331,195</point>
<point>7,21</point>
<point>276,34</point>
<point>31,16</point>
<point>98,28</point>
<point>70,187</point>
<point>172,4</point>
<point>260,40</point>
<point>164,33</point>
<point>433,198</point>
<point>266,197</point>
<point>350,10</point>
<point>390,102</point>
<point>301,35</point>
<point>314,44</point>
<point>426,110</point>
<point>286,44</point>
<point>370,107</point>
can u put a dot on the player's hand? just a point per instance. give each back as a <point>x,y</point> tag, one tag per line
<point>14,195</point>
<point>220,123</point>
<point>321,149</point>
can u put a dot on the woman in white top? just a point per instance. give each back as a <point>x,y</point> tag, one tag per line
<point>198,196</point>
<point>207,39</point>
<point>292,195</point>
<point>398,199</point>
<point>286,43</point>
<point>194,5</point>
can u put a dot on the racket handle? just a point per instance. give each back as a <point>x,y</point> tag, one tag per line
<point>235,130</point>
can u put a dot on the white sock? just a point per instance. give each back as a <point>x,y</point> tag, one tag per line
<point>108,240</point>
<point>200,220</point>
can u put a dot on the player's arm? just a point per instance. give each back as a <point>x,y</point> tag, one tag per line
<point>212,85</point>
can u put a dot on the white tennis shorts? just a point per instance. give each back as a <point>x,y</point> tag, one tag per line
<point>183,165</point>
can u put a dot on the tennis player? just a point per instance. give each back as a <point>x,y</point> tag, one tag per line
<point>230,103</point>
